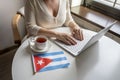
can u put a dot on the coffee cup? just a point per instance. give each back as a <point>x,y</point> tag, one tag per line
<point>40,42</point>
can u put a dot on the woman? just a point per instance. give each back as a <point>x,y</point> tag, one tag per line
<point>43,15</point>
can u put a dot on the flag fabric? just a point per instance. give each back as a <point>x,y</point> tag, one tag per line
<point>49,61</point>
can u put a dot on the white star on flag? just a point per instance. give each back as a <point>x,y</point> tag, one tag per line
<point>40,62</point>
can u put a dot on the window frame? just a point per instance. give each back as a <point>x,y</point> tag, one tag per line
<point>104,8</point>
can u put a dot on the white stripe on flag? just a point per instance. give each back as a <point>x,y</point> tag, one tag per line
<point>54,67</point>
<point>57,63</point>
<point>54,56</point>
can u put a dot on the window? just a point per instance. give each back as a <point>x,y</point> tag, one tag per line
<point>117,4</point>
<point>107,7</point>
<point>75,3</point>
<point>113,3</point>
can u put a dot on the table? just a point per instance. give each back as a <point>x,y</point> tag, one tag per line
<point>99,62</point>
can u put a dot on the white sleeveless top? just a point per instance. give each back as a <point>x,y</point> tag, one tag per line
<point>37,15</point>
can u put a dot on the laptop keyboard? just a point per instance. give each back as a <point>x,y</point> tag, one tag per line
<point>74,49</point>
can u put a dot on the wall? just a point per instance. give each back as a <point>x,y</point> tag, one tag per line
<point>8,9</point>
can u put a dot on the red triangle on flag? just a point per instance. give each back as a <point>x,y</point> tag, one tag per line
<point>40,62</point>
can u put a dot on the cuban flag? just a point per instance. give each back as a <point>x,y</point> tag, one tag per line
<point>49,61</point>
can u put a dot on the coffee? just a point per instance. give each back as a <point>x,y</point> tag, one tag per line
<point>41,40</point>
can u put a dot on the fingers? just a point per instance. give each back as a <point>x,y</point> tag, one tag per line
<point>66,38</point>
<point>71,40</point>
<point>67,42</point>
<point>78,34</point>
<point>81,33</point>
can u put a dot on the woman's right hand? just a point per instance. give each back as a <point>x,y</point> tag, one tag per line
<point>66,38</point>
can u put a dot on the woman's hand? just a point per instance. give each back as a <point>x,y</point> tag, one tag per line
<point>77,32</point>
<point>66,38</point>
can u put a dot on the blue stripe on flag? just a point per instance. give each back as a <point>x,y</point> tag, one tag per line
<point>49,54</point>
<point>54,67</point>
<point>59,59</point>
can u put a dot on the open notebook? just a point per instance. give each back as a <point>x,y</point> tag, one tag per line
<point>89,39</point>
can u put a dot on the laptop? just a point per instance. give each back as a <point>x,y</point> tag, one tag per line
<point>89,39</point>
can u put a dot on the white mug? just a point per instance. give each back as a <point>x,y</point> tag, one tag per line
<point>40,42</point>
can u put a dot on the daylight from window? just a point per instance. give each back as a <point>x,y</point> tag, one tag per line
<point>114,3</point>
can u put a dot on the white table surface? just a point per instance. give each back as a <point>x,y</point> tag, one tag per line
<point>99,62</point>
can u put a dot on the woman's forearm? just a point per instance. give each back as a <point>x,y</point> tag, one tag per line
<point>64,37</point>
<point>47,32</point>
<point>72,24</point>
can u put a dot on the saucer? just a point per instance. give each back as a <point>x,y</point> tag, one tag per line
<point>32,46</point>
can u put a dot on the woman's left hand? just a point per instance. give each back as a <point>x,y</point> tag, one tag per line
<point>77,33</point>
